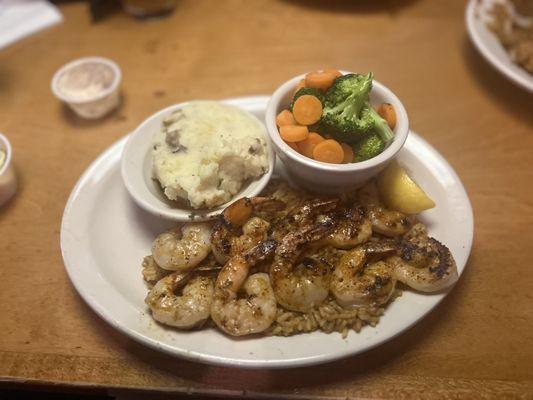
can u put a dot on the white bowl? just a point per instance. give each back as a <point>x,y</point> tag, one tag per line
<point>98,76</point>
<point>333,178</point>
<point>136,167</point>
<point>8,179</point>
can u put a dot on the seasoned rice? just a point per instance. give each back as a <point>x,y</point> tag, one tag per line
<point>328,317</point>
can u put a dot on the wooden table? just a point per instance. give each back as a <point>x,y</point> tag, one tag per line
<point>477,344</point>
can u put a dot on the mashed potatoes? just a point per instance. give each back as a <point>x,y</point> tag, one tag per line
<point>206,151</point>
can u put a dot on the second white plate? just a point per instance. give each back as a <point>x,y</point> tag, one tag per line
<point>490,47</point>
<point>105,235</point>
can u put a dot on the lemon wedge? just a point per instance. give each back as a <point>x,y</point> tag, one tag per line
<point>399,192</point>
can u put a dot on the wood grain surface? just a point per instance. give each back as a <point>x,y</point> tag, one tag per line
<point>477,344</point>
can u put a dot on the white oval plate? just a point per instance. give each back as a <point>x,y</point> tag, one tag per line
<point>489,46</point>
<point>105,235</point>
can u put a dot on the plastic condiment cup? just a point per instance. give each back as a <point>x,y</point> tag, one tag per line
<point>8,179</point>
<point>90,86</point>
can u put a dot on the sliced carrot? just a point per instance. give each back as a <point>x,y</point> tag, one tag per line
<point>333,71</point>
<point>329,151</point>
<point>308,145</point>
<point>300,85</point>
<point>307,109</point>
<point>285,118</point>
<point>387,112</point>
<point>348,153</point>
<point>319,80</point>
<point>294,146</point>
<point>293,133</point>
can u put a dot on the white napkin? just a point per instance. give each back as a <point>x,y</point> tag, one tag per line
<point>21,18</point>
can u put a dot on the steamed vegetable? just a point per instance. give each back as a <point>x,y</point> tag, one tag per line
<point>319,80</point>
<point>285,118</point>
<point>348,153</point>
<point>347,114</point>
<point>381,127</point>
<point>386,111</point>
<point>306,91</point>
<point>307,109</point>
<point>293,145</point>
<point>343,104</point>
<point>370,146</point>
<point>329,151</point>
<point>300,85</point>
<point>307,146</point>
<point>333,71</point>
<point>293,133</point>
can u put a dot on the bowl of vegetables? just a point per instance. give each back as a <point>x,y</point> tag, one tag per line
<point>334,130</point>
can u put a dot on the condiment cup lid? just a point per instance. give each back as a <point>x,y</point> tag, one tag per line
<point>117,77</point>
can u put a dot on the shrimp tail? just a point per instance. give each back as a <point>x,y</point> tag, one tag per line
<point>240,211</point>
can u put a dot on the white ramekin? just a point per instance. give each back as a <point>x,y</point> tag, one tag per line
<point>136,168</point>
<point>8,179</point>
<point>100,103</point>
<point>333,178</point>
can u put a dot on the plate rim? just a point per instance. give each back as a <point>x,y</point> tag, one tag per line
<point>495,62</point>
<point>195,356</point>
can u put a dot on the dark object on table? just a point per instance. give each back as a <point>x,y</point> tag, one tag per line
<point>101,8</point>
<point>148,8</point>
<point>138,8</point>
<point>98,8</point>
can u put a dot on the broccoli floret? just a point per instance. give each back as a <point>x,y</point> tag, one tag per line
<point>350,87</point>
<point>343,130</point>
<point>343,108</point>
<point>305,90</point>
<point>368,147</point>
<point>381,127</point>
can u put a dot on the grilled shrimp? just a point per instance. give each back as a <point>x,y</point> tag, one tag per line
<point>352,228</point>
<point>181,251</point>
<point>426,265</point>
<point>300,286</point>
<point>187,310</point>
<point>389,223</point>
<point>254,231</point>
<point>151,271</point>
<point>385,222</point>
<point>257,310</point>
<point>303,215</point>
<point>235,231</point>
<point>358,281</point>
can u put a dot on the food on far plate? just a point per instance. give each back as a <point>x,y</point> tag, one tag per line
<point>290,262</point>
<point>512,22</point>
<point>399,192</point>
<point>206,151</point>
<point>334,109</point>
